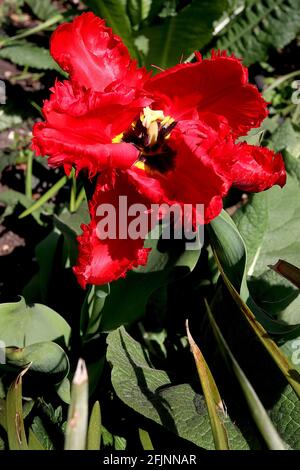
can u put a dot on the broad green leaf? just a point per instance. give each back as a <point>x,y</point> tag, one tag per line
<point>63,390</point>
<point>252,222</point>
<point>277,224</point>
<point>115,14</point>
<point>292,164</point>
<point>150,392</point>
<point>212,396</point>
<point>260,26</point>
<point>285,414</point>
<point>22,325</point>
<point>230,250</point>
<point>42,358</point>
<point>230,255</point>
<point>257,410</point>
<point>179,35</point>
<point>43,9</point>
<point>77,424</point>
<point>128,297</point>
<point>94,429</point>
<point>14,415</point>
<point>281,240</point>
<point>29,55</point>
<point>286,137</point>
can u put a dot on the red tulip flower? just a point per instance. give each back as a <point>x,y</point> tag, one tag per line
<point>169,139</point>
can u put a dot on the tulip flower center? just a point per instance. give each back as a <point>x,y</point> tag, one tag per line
<point>150,135</point>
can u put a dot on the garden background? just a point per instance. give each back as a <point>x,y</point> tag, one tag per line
<point>144,390</point>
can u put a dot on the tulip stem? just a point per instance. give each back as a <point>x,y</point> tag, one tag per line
<point>81,196</point>
<point>73,192</point>
<point>41,27</point>
<point>28,177</point>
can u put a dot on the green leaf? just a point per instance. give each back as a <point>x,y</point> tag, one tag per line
<point>230,255</point>
<point>286,137</point>
<point>22,325</point>
<point>45,197</point>
<point>138,10</point>
<point>63,390</point>
<point>43,9</point>
<point>252,222</point>
<point>33,442</point>
<point>50,258</point>
<point>150,392</point>
<point>286,416</point>
<point>277,223</point>
<point>94,429</point>
<point>115,14</point>
<point>183,33</point>
<point>128,297</point>
<point>230,252</point>
<point>145,440</point>
<point>11,199</point>
<point>29,55</point>
<point>91,310</point>
<point>212,396</point>
<point>42,358</point>
<point>14,415</point>
<point>257,410</point>
<point>69,225</point>
<point>261,25</point>
<point>41,434</point>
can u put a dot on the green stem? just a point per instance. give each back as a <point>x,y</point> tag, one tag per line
<point>28,178</point>
<point>41,27</point>
<point>73,192</point>
<point>81,196</point>
<point>45,197</point>
<point>281,80</point>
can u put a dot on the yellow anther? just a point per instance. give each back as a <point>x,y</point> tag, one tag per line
<point>168,120</point>
<point>140,165</point>
<point>151,115</point>
<point>118,138</point>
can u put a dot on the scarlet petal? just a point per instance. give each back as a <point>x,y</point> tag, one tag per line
<point>218,85</point>
<point>193,179</point>
<point>80,125</point>
<point>93,55</point>
<point>105,260</point>
<point>257,168</point>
